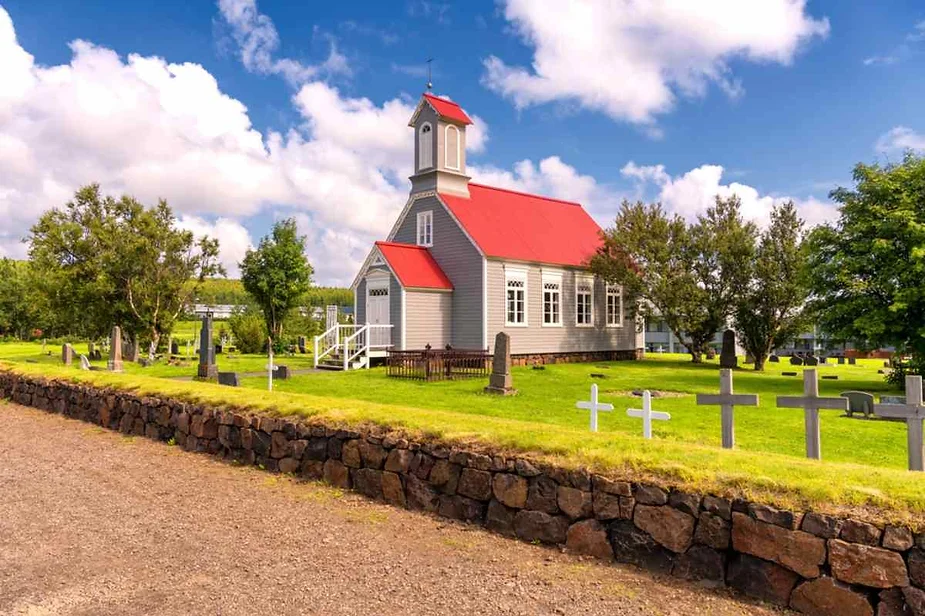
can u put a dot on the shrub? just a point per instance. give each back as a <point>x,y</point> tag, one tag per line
<point>249,331</point>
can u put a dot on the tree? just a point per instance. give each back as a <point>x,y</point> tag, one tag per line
<point>277,274</point>
<point>112,262</point>
<point>153,262</point>
<point>867,268</point>
<point>769,308</point>
<point>20,310</point>
<point>685,275</point>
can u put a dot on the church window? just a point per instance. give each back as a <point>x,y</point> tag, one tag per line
<point>426,147</point>
<point>426,228</point>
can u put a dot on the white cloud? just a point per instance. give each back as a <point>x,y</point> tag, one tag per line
<point>631,59</point>
<point>880,60</point>
<point>258,42</point>
<point>900,139</point>
<point>233,238</point>
<point>692,193</point>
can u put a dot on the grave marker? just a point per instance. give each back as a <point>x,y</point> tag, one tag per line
<point>500,380</point>
<point>594,406</point>
<point>228,378</point>
<point>84,363</point>
<point>67,354</point>
<point>115,350</point>
<point>207,367</point>
<point>647,414</point>
<point>727,357</point>
<point>727,402</point>
<point>811,402</point>
<point>913,411</point>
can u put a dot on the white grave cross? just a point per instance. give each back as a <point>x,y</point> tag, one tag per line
<point>811,402</point>
<point>727,402</point>
<point>647,414</point>
<point>913,411</point>
<point>594,406</point>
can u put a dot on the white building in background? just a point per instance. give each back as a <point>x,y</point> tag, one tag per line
<point>659,339</point>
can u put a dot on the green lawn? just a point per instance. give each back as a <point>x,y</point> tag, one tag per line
<point>31,352</point>
<point>862,470</point>
<point>547,399</point>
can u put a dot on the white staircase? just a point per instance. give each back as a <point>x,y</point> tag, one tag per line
<point>351,347</point>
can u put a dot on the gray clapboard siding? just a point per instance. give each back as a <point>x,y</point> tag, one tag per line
<point>394,304</point>
<point>429,319</point>
<point>535,338</point>
<point>461,262</point>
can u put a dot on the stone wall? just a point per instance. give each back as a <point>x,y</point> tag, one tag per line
<point>529,359</point>
<point>814,563</point>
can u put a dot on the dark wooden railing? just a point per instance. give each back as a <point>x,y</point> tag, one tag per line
<point>439,364</point>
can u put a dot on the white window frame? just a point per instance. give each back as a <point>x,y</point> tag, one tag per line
<point>551,278</point>
<point>429,157</point>
<point>446,148</point>
<point>614,290</point>
<point>516,275</point>
<point>425,228</point>
<point>579,281</point>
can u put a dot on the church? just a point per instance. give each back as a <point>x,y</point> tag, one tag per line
<point>465,261</point>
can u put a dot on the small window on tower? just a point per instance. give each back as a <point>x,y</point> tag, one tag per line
<point>426,147</point>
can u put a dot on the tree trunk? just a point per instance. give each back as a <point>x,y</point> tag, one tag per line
<point>759,363</point>
<point>152,348</point>
<point>696,352</point>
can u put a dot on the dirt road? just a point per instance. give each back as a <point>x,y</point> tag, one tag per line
<point>92,522</point>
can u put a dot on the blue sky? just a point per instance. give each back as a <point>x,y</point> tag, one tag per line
<point>239,112</point>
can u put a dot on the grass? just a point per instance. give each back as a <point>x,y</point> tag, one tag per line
<point>31,352</point>
<point>767,467</point>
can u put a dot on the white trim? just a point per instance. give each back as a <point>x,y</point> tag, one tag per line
<point>555,279</point>
<point>484,303</point>
<point>607,294</point>
<point>446,148</point>
<point>516,274</point>
<point>404,319</point>
<point>420,135</point>
<point>587,280</point>
<point>427,217</point>
<point>368,263</point>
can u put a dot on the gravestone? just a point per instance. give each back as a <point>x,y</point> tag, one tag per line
<point>711,353</point>
<point>796,360</point>
<point>282,372</point>
<point>841,361</point>
<point>228,378</point>
<point>774,359</point>
<point>115,350</point>
<point>811,402</point>
<point>91,350</point>
<point>174,348</point>
<point>859,402</point>
<point>500,380</point>
<point>727,402</point>
<point>852,361</point>
<point>302,345</point>
<point>727,357</point>
<point>84,363</point>
<point>207,367</point>
<point>823,361</point>
<point>67,355</point>
<point>130,351</point>
<point>811,360</point>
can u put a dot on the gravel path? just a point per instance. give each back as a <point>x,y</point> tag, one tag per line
<point>92,522</point>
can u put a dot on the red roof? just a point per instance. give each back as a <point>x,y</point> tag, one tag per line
<point>514,225</point>
<point>448,109</point>
<point>414,266</point>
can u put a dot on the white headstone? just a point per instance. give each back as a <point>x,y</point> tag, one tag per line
<point>647,414</point>
<point>84,363</point>
<point>727,402</point>
<point>913,411</point>
<point>811,402</point>
<point>594,406</point>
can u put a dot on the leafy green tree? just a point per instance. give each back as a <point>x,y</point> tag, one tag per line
<point>20,312</point>
<point>249,329</point>
<point>684,274</point>
<point>108,262</point>
<point>277,274</point>
<point>769,308</point>
<point>867,268</point>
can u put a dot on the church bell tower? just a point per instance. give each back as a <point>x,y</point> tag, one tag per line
<point>439,146</point>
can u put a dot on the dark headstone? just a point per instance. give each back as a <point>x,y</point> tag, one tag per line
<point>282,372</point>
<point>302,344</point>
<point>788,373</point>
<point>774,359</point>
<point>174,348</point>
<point>207,367</point>
<point>228,378</point>
<point>500,380</point>
<point>598,375</point>
<point>115,350</point>
<point>859,402</point>
<point>841,361</point>
<point>727,358</point>
<point>823,361</point>
<point>830,377</point>
<point>811,360</point>
<point>852,361</point>
<point>67,354</point>
<point>218,349</point>
<point>796,360</point>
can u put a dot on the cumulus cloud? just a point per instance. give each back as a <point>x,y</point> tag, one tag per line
<point>693,192</point>
<point>631,59</point>
<point>233,238</point>
<point>258,42</point>
<point>900,139</point>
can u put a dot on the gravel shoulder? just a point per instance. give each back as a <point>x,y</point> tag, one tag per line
<point>92,522</point>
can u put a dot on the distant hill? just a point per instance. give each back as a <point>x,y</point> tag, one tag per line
<point>230,291</point>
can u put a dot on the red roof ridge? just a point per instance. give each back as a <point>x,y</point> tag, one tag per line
<point>441,99</point>
<point>399,244</point>
<point>525,194</point>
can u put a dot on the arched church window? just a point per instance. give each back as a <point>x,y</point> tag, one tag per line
<point>426,147</point>
<point>452,147</point>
